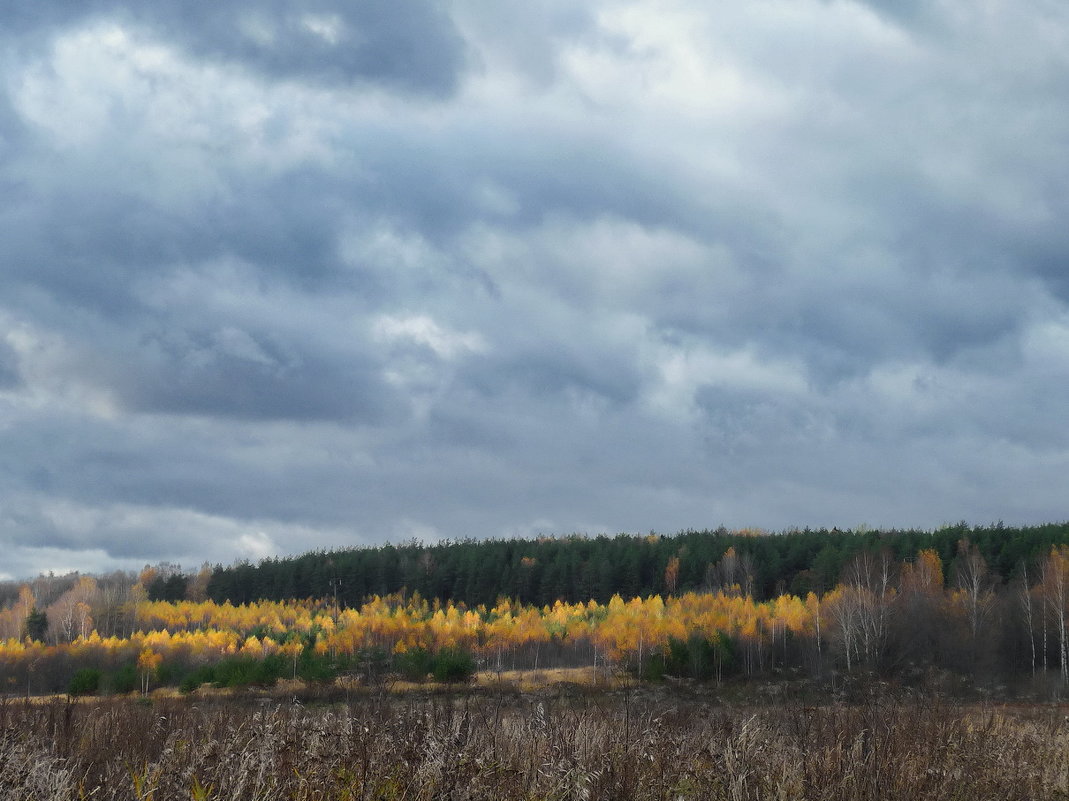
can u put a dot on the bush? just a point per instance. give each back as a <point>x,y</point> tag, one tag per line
<point>453,665</point>
<point>698,657</point>
<point>315,667</point>
<point>652,669</point>
<point>693,658</point>
<point>202,675</point>
<point>372,664</point>
<point>85,682</point>
<point>167,674</point>
<point>447,665</point>
<point>414,664</point>
<point>124,680</point>
<point>242,671</point>
<point>239,671</point>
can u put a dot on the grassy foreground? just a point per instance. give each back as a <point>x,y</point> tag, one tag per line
<point>526,746</point>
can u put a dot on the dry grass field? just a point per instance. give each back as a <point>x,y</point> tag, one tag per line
<point>493,745</point>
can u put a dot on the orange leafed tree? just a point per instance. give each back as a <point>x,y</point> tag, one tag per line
<point>148,662</point>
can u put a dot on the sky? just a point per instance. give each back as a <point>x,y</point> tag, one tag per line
<point>289,276</point>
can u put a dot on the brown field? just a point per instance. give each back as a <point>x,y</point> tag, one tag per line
<point>564,742</point>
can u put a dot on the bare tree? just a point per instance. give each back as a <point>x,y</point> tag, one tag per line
<point>13,619</point>
<point>1055,591</point>
<point>976,586</point>
<point>871,578</point>
<point>70,614</point>
<point>1025,595</point>
<point>843,607</point>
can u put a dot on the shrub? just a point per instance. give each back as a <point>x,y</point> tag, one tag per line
<point>414,664</point>
<point>312,666</point>
<point>372,664</point>
<point>85,682</point>
<point>242,671</point>
<point>698,658</point>
<point>124,680</point>
<point>168,674</point>
<point>193,680</point>
<point>694,658</point>
<point>453,665</point>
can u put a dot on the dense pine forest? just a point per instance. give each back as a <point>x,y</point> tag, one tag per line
<point>579,568</point>
<point>983,607</point>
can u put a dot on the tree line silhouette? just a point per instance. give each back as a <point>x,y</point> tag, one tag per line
<point>579,568</point>
<point>990,604</point>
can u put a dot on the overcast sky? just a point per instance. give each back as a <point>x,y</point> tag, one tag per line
<point>281,276</point>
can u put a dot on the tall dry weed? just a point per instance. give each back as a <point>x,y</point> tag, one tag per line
<point>525,748</point>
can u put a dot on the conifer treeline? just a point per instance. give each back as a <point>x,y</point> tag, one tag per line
<point>986,603</point>
<point>578,569</point>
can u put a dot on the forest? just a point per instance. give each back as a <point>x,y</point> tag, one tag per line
<point>580,568</point>
<point>984,607</point>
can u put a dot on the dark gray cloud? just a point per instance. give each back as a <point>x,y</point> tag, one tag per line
<point>274,279</point>
<point>9,370</point>
<point>232,376</point>
<point>410,46</point>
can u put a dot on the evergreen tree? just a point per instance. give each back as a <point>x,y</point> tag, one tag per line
<point>36,624</point>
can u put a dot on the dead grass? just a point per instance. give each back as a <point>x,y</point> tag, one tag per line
<point>505,746</point>
<point>536,680</point>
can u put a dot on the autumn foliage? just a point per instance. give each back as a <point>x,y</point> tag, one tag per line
<point>883,616</point>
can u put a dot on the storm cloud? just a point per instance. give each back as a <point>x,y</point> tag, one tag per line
<point>276,278</point>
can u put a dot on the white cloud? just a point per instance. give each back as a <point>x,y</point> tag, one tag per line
<point>421,329</point>
<point>1046,346</point>
<point>162,122</point>
<point>679,372</point>
<point>135,534</point>
<point>53,373</point>
<point>257,545</point>
<point>329,27</point>
<point>408,530</point>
